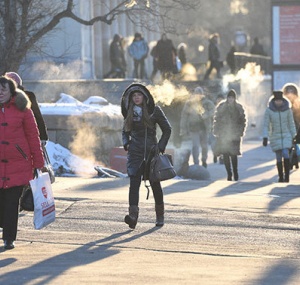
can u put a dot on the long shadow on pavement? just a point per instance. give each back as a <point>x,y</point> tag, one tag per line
<point>50,268</point>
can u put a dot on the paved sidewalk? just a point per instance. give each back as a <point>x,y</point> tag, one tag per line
<point>216,232</point>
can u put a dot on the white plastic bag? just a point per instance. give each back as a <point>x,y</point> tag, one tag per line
<point>44,205</point>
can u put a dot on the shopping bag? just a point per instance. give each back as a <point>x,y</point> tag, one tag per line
<point>26,200</point>
<point>44,205</point>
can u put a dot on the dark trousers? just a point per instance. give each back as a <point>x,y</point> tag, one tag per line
<point>134,189</point>
<point>9,211</point>
<point>139,68</point>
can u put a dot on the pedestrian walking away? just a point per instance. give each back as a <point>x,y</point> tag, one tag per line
<point>229,128</point>
<point>20,154</point>
<point>279,128</point>
<point>141,117</point>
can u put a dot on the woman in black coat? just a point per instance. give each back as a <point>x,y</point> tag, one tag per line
<point>141,116</point>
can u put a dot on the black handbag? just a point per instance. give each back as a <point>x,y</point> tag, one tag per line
<point>26,201</point>
<point>161,167</point>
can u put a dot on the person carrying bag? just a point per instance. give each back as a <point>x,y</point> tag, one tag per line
<point>20,154</point>
<point>141,116</point>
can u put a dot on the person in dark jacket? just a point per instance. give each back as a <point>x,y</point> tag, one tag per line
<point>166,57</point>
<point>229,128</point>
<point>20,154</point>
<point>230,59</point>
<point>141,117</point>
<point>257,48</point>
<point>214,56</point>
<point>34,106</point>
<point>279,126</point>
<point>117,58</point>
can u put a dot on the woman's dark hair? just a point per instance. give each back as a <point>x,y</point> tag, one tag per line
<point>145,115</point>
<point>11,84</point>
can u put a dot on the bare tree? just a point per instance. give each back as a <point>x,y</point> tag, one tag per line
<point>24,22</point>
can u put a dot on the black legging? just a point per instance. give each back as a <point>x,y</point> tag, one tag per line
<point>135,183</point>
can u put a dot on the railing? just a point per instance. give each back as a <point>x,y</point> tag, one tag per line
<point>241,59</point>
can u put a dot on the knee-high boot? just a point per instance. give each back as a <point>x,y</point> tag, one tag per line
<point>227,167</point>
<point>160,211</point>
<point>286,162</point>
<point>132,218</point>
<point>235,167</point>
<point>280,171</point>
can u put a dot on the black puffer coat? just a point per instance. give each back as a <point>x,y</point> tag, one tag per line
<point>136,137</point>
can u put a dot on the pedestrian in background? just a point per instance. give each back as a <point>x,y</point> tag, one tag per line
<point>290,91</point>
<point>229,129</point>
<point>153,53</point>
<point>214,56</point>
<point>141,117</point>
<point>279,127</point>
<point>138,50</point>
<point>117,58</point>
<point>196,122</point>
<point>257,48</point>
<point>166,57</point>
<point>20,155</point>
<point>230,59</point>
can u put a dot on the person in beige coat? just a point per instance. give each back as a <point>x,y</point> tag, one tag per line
<point>196,122</point>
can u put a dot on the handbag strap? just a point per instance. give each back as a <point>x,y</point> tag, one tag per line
<point>146,162</point>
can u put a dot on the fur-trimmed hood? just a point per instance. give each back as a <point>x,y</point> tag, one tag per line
<point>21,100</point>
<point>136,87</point>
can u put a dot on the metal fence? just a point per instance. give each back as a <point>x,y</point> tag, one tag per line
<point>241,59</point>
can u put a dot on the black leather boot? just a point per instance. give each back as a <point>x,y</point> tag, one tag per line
<point>286,162</point>
<point>132,218</point>
<point>228,167</point>
<point>235,167</point>
<point>280,171</point>
<point>160,211</point>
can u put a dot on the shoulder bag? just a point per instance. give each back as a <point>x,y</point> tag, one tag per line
<point>161,167</point>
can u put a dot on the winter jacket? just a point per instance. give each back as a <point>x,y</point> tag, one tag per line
<point>136,137</point>
<point>20,148</point>
<point>279,125</point>
<point>138,49</point>
<point>197,115</point>
<point>165,53</point>
<point>229,127</point>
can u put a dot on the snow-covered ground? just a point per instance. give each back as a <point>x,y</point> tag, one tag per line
<point>62,160</point>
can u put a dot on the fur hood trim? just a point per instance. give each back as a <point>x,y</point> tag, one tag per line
<point>136,87</point>
<point>21,100</point>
